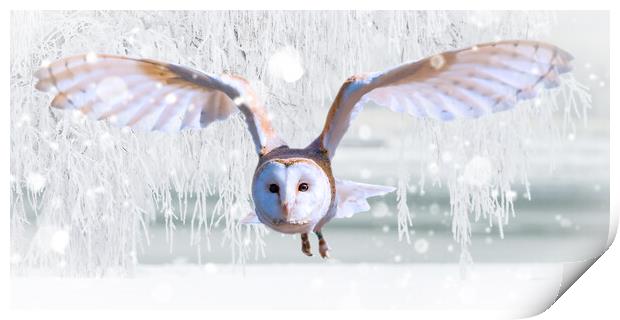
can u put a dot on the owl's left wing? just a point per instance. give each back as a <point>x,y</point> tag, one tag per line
<point>466,83</point>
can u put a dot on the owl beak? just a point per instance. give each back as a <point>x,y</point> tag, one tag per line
<point>286,209</point>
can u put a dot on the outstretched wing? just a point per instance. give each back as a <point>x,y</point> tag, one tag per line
<point>151,95</point>
<point>352,196</point>
<point>466,83</point>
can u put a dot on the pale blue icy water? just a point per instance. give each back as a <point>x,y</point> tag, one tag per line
<point>566,220</point>
<point>572,227</point>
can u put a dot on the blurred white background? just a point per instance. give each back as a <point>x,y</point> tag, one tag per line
<point>566,220</point>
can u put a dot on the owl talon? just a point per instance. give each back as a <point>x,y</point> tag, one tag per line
<point>323,247</point>
<point>324,252</point>
<point>305,245</point>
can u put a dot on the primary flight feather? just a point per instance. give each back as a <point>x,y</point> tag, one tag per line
<point>294,190</point>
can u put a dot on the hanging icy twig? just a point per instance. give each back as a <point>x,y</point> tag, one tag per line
<point>405,220</point>
<point>96,189</point>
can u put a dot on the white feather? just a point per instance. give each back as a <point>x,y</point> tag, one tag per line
<point>351,196</point>
<point>150,95</point>
<point>466,83</point>
<point>251,218</point>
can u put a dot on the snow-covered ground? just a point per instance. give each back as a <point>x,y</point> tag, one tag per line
<point>508,288</point>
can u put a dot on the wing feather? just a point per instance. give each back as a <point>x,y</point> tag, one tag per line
<point>467,83</point>
<point>150,95</point>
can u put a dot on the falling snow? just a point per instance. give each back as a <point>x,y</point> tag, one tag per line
<point>380,210</point>
<point>59,241</point>
<point>91,57</point>
<point>437,61</point>
<point>170,98</point>
<point>478,171</point>
<point>112,88</point>
<point>365,132</point>
<point>286,64</point>
<point>421,246</point>
<point>126,172</point>
<point>35,181</point>
<point>433,168</point>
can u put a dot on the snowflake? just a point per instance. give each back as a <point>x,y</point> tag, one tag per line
<point>437,61</point>
<point>364,132</point>
<point>36,181</point>
<point>91,57</point>
<point>433,168</point>
<point>112,88</point>
<point>380,210</point>
<point>285,64</point>
<point>171,98</point>
<point>365,173</point>
<point>210,268</point>
<point>59,241</point>
<point>478,171</point>
<point>421,246</point>
<point>446,157</point>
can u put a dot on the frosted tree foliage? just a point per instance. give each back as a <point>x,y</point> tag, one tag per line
<point>95,189</point>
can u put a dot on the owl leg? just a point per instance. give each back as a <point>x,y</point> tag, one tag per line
<point>323,247</point>
<point>305,245</point>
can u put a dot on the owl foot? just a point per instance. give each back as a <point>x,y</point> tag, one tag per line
<point>323,247</point>
<point>305,245</point>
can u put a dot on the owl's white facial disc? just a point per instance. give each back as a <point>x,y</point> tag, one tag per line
<point>291,195</point>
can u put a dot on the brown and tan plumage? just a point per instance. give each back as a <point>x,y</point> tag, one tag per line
<point>294,190</point>
<point>150,95</point>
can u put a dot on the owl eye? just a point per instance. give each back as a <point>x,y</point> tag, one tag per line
<point>273,188</point>
<point>303,187</point>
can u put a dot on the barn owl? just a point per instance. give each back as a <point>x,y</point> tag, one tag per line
<point>294,189</point>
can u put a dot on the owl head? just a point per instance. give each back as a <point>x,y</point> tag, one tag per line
<point>290,195</point>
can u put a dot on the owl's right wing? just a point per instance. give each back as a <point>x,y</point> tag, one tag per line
<point>150,95</point>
